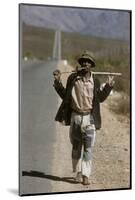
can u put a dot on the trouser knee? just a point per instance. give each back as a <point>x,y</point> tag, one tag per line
<point>76,150</point>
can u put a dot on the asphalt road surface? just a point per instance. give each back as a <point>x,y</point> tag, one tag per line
<point>38,106</point>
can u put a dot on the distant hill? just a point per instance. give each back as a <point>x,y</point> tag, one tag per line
<point>92,22</point>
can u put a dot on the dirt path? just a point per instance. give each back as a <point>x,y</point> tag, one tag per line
<point>111,155</point>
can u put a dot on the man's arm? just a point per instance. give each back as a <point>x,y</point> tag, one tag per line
<point>103,94</point>
<point>58,84</point>
<point>59,88</point>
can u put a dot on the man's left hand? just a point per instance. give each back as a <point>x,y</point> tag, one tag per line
<point>110,80</point>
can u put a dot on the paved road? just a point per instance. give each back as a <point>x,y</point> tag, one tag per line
<point>37,127</point>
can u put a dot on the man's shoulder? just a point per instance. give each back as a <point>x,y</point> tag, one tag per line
<point>96,80</point>
<point>72,76</point>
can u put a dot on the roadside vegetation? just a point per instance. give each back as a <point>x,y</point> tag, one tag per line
<point>119,102</point>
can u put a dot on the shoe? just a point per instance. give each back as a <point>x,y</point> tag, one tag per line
<point>86,180</point>
<point>78,178</point>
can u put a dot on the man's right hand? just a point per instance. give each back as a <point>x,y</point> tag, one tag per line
<point>57,76</point>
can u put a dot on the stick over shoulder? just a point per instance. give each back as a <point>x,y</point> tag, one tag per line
<point>107,73</point>
<point>99,73</point>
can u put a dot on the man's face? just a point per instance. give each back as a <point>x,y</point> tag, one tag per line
<point>86,64</point>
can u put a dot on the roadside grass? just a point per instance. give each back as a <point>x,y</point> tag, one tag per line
<point>119,103</point>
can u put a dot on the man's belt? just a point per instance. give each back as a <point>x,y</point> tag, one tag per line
<point>82,113</point>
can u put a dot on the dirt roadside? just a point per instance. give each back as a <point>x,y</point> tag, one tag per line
<point>111,155</point>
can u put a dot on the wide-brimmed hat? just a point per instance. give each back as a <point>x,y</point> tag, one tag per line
<point>87,56</point>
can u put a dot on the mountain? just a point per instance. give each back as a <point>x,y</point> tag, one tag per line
<point>95,22</point>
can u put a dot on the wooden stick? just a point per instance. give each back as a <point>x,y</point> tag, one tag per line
<point>107,73</point>
<point>99,73</point>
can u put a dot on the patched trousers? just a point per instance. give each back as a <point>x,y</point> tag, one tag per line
<point>82,137</point>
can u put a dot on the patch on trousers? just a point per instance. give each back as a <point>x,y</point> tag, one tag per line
<point>76,132</point>
<point>91,120</point>
<point>76,152</point>
<point>87,155</point>
<point>87,138</point>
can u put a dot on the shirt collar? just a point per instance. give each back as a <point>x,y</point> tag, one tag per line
<point>89,78</point>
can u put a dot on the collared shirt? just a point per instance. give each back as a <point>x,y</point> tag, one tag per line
<point>82,94</point>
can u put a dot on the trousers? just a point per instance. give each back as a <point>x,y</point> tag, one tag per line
<point>82,136</point>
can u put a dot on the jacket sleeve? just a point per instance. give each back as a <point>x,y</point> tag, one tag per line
<point>103,94</point>
<point>59,89</point>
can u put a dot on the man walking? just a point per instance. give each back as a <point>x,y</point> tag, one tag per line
<point>80,109</point>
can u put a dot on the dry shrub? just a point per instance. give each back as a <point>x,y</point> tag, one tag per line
<point>120,104</point>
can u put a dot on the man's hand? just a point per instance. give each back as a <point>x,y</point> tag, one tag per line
<point>57,76</point>
<point>110,80</point>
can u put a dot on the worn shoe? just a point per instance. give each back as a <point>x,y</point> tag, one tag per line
<point>86,180</point>
<point>78,178</point>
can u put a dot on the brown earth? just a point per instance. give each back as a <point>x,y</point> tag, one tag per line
<point>111,154</point>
